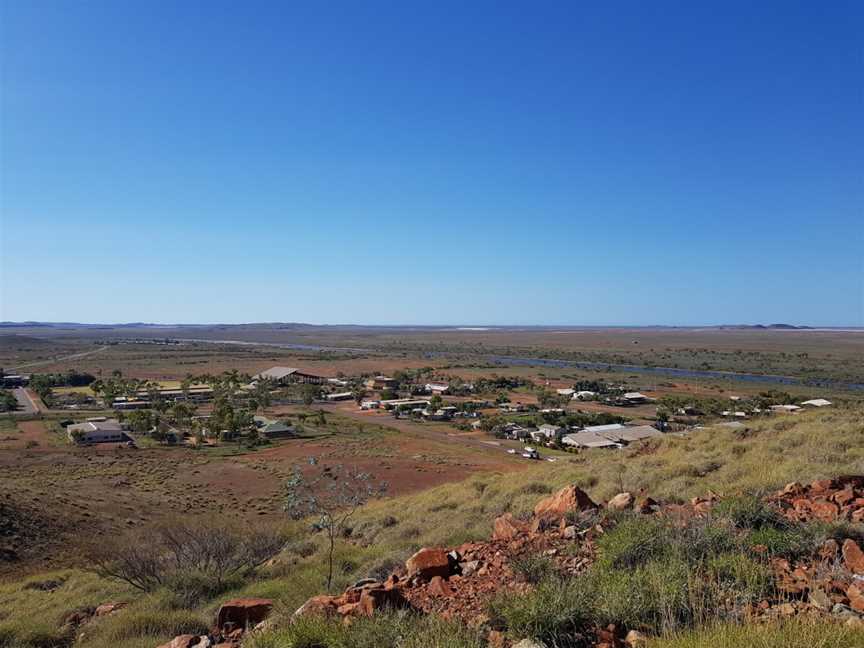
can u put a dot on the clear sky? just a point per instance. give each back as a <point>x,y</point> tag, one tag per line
<point>437,162</point>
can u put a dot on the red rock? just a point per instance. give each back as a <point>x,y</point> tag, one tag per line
<point>821,485</point>
<point>378,598</point>
<point>793,488</point>
<point>108,608</point>
<point>856,598</point>
<point>568,499</point>
<point>621,502</point>
<point>506,527</point>
<point>322,604</point>
<point>183,641</point>
<point>243,613</point>
<point>427,563</point>
<point>646,505</point>
<point>439,587</point>
<point>824,510</point>
<point>853,557</point>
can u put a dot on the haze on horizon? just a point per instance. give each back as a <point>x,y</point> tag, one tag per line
<point>642,164</point>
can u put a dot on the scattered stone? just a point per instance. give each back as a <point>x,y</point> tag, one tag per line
<point>243,613</point>
<point>853,557</point>
<point>635,639</point>
<point>427,563</point>
<point>568,499</point>
<point>621,502</point>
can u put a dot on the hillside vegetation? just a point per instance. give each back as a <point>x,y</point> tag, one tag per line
<point>765,455</point>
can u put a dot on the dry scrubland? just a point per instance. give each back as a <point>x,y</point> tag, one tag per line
<point>835,355</point>
<point>765,456</point>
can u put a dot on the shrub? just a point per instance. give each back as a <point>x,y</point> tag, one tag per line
<point>633,542</point>
<point>533,569</point>
<point>748,512</point>
<point>555,611</point>
<point>791,542</point>
<point>179,548</point>
<point>788,634</point>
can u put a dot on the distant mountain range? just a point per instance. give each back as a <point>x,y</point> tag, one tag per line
<point>302,326</point>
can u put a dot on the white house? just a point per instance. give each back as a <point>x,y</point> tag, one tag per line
<point>549,431</point>
<point>566,392</point>
<point>785,409</point>
<point>584,395</point>
<point>585,439</point>
<point>437,387</point>
<point>106,431</point>
<point>817,402</point>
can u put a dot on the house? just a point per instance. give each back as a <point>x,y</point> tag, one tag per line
<point>550,431</point>
<point>566,392</point>
<point>380,382</point>
<point>339,397</point>
<point>633,433</point>
<point>635,398</point>
<point>402,403</point>
<point>105,431</point>
<point>437,387</point>
<point>785,409</point>
<point>286,375</point>
<point>817,402</point>
<point>604,429</point>
<point>585,439</point>
<point>584,395</point>
<point>337,382</point>
<point>277,429</point>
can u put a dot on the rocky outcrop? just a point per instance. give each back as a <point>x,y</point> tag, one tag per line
<point>428,563</point>
<point>242,613</point>
<point>570,499</point>
<point>621,502</point>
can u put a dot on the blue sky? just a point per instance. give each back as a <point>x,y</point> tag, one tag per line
<point>398,162</point>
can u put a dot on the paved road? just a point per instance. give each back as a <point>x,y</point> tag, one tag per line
<point>25,403</point>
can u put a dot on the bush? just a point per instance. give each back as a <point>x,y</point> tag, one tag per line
<point>191,588</point>
<point>533,569</point>
<point>748,512</point>
<point>792,542</point>
<point>634,542</point>
<point>393,630</point>
<point>788,634</point>
<point>178,549</point>
<point>557,610</point>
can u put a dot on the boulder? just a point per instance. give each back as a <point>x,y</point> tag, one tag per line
<point>856,598</point>
<point>853,557</point>
<point>188,641</point>
<point>243,613</point>
<point>635,639</point>
<point>376,598</point>
<point>506,527</point>
<point>469,567</point>
<point>427,563</point>
<point>439,587</point>
<point>568,499</point>
<point>108,608</point>
<point>621,502</point>
<point>646,505</point>
<point>321,605</point>
<point>529,643</point>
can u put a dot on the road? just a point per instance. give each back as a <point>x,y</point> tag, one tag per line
<point>26,405</point>
<point>432,432</point>
<point>73,356</point>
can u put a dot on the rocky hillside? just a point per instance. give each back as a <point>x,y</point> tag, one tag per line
<point>795,553</point>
